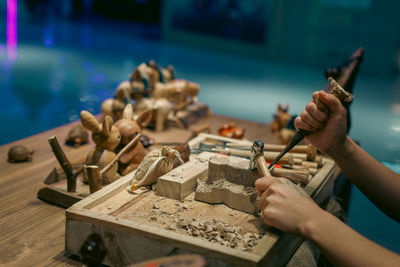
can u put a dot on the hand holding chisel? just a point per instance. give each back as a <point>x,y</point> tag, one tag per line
<point>310,124</point>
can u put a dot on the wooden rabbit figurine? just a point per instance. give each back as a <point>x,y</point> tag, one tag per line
<point>129,128</point>
<point>107,138</point>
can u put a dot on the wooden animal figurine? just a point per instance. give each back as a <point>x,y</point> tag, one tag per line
<point>77,136</point>
<point>179,92</point>
<point>143,80</point>
<point>129,128</point>
<point>168,73</point>
<point>160,107</point>
<point>161,83</point>
<point>106,137</point>
<point>280,119</point>
<point>114,107</point>
<point>19,153</point>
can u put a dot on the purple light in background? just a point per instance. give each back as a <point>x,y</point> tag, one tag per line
<point>12,29</point>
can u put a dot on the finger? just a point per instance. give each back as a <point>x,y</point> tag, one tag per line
<point>300,124</point>
<point>263,183</point>
<point>263,202</point>
<point>316,113</point>
<point>321,105</point>
<point>307,118</point>
<point>331,101</point>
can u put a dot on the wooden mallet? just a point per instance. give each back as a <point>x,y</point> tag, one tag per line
<point>257,158</point>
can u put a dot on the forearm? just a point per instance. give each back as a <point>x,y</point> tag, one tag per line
<point>380,184</point>
<point>342,246</point>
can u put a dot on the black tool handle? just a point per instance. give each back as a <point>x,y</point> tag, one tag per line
<point>295,140</point>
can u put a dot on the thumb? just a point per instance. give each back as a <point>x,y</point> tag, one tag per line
<point>333,103</point>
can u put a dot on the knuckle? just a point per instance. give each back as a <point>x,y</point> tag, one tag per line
<point>310,107</point>
<point>303,115</point>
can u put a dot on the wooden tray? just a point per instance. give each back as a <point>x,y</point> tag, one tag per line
<point>138,227</point>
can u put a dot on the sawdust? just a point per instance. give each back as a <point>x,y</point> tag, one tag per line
<point>214,230</point>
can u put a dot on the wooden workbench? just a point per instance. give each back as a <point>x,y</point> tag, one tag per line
<point>32,231</point>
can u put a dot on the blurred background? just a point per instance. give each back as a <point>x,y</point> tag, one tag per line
<point>60,57</point>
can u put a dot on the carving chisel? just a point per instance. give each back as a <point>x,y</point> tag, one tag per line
<point>337,91</point>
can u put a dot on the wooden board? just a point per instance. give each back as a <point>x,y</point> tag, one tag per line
<point>137,227</point>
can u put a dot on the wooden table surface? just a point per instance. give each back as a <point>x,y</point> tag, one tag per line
<point>32,231</point>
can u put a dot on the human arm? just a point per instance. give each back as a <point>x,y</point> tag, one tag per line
<point>287,207</point>
<point>327,123</point>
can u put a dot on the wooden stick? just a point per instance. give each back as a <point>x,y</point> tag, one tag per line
<point>269,156</point>
<point>297,176</point>
<point>94,178</point>
<point>132,143</point>
<point>310,150</point>
<point>64,163</point>
<point>312,171</point>
<point>310,164</point>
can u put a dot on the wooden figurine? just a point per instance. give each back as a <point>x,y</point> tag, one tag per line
<point>19,153</point>
<point>168,73</point>
<point>279,124</point>
<point>165,93</point>
<point>178,91</point>
<point>129,128</point>
<point>160,107</point>
<point>114,107</point>
<point>230,130</point>
<point>143,82</point>
<point>77,136</point>
<point>106,137</point>
<point>281,118</point>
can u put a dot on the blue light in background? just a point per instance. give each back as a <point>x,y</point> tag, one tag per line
<point>48,36</point>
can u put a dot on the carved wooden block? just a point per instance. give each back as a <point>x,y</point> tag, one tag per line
<point>232,169</point>
<point>235,196</point>
<point>229,182</point>
<point>182,181</point>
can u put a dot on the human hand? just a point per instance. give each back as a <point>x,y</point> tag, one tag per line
<point>326,118</point>
<point>285,205</point>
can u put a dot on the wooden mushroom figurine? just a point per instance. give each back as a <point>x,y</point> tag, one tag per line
<point>107,138</point>
<point>129,128</point>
